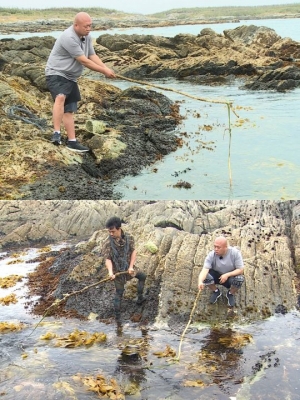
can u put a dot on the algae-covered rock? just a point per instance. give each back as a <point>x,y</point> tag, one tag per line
<point>151,247</point>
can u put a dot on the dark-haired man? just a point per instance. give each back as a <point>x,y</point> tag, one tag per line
<point>72,51</point>
<point>223,266</point>
<point>120,255</point>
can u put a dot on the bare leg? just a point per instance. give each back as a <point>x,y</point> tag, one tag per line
<point>58,111</point>
<point>212,287</point>
<point>233,290</point>
<point>68,120</point>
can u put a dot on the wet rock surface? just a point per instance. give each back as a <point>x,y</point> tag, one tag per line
<point>257,54</point>
<point>138,127</point>
<point>182,233</point>
<point>138,124</point>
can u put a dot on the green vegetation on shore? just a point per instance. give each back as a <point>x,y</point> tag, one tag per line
<point>180,13</point>
<point>235,12</point>
<point>60,13</point>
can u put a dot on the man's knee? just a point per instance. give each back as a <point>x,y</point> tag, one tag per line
<point>60,99</point>
<point>237,281</point>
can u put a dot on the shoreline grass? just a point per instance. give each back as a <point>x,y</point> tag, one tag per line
<point>240,12</point>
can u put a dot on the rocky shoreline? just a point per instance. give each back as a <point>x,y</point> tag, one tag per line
<point>125,130</point>
<point>126,21</point>
<point>182,232</point>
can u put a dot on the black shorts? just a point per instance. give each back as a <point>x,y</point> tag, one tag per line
<point>59,85</point>
<point>214,276</point>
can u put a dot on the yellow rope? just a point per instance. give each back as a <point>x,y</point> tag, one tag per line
<point>226,102</point>
<point>229,147</point>
<point>177,91</point>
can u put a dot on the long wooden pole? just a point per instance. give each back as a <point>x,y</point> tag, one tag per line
<point>67,295</point>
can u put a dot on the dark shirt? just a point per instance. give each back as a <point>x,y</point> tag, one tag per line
<point>119,251</point>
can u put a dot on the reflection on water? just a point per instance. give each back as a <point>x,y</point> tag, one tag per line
<point>256,361</point>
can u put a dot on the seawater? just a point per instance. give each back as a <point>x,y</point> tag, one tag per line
<point>257,158</point>
<point>284,27</point>
<point>263,162</point>
<point>214,362</point>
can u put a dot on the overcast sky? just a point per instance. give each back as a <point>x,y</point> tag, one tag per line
<point>137,6</point>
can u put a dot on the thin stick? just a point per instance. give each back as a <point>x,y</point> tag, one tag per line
<point>67,295</point>
<point>229,146</point>
<point>188,324</point>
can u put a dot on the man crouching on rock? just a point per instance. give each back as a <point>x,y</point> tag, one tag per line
<point>120,256</point>
<point>223,266</point>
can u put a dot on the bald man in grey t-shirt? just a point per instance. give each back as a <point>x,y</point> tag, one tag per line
<point>224,266</point>
<point>72,51</point>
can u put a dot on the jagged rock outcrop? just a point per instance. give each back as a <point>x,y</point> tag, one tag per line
<point>246,51</point>
<point>26,222</point>
<point>267,232</point>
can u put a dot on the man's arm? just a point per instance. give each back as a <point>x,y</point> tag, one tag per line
<point>95,64</point>
<point>132,261</point>
<point>109,266</point>
<point>235,272</point>
<point>202,276</point>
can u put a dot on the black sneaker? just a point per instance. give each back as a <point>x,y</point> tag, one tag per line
<point>214,297</point>
<point>75,146</point>
<point>231,299</point>
<point>56,138</point>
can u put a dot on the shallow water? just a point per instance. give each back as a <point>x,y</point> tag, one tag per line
<point>263,162</point>
<point>265,366</point>
<point>283,27</point>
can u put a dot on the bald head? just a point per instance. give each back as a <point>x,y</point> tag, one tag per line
<point>82,24</point>
<point>220,246</point>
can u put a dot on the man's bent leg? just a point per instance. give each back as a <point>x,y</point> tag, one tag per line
<point>235,284</point>
<point>69,124</point>
<point>68,120</point>
<point>211,279</point>
<point>58,111</point>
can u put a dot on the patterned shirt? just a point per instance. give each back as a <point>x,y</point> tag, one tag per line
<point>119,251</point>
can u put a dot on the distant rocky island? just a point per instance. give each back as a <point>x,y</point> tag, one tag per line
<point>31,20</point>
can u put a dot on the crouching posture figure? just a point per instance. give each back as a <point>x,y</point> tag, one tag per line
<point>223,266</point>
<point>120,256</point>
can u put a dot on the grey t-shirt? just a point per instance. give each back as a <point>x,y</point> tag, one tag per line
<point>227,263</point>
<point>62,60</point>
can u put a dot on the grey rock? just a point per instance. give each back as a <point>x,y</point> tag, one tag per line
<point>267,232</point>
